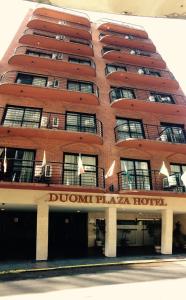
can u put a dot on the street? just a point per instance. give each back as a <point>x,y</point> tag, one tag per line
<point>148,281</point>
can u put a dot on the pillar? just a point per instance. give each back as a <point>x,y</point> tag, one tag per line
<point>167,231</point>
<point>111,232</point>
<point>42,232</point>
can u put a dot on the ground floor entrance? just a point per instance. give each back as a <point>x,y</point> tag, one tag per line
<point>68,234</point>
<point>17,234</point>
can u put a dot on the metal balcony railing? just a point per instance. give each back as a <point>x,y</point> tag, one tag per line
<point>123,24</point>
<point>58,37</point>
<point>142,179</point>
<point>48,120</point>
<point>53,55</point>
<point>139,69</point>
<point>60,22</point>
<point>172,134</point>
<point>27,171</point>
<point>54,82</point>
<point>146,95</point>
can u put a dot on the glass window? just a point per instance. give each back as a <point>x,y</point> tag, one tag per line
<point>38,54</point>
<point>173,133</point>
<point>79,61</point>
<point>114,68</point>
<point>128,128</point>
<point>147,71</point>
<point>135,175</point>
<point>22,117</point>
<point>80,122</point>
<point>31,79</point>
<point>85,87</point>
<point>162,98</point>
<point>118,93</point>
<point>20,164</point>
<point>70,171</point>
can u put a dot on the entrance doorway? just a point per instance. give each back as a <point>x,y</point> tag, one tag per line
<point>68,235</point>
<point>17,234</point>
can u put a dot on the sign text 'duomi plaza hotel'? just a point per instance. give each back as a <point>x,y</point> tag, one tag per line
<point>93,143</point>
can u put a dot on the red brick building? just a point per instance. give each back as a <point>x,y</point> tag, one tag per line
<point>74,90</point>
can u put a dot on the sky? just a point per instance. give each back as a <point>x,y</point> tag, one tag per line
<point>168,35</point>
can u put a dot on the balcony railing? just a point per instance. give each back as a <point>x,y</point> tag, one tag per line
<point>63,22</point>
<point>139,70</point>
<point>66,174</point>
<point>66,14</point>
<point>171,134</point>
<point>129,51</point>
<point>142,179</point>
<point>48,120</point>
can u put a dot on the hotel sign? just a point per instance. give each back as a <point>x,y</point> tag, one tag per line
<point>105,199</point>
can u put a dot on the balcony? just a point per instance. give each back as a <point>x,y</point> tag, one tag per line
<point>59,27</point>
<point>150,181</point>
<point>51,41</point>
<point>29,173</point>
<point>124,41</point>
<point>128,56</point>
<point>64,14</point>
<point>135,77</point>
<point>49,125</point>
<point>53,61</point>
<point>142,100</point>
<point>122,27</point>
<point>151,137</point>
<point>48,88</point>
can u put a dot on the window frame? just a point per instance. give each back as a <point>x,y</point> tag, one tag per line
<point>79,82</point>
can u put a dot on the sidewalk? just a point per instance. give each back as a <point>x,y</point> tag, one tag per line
<point>62,264</point>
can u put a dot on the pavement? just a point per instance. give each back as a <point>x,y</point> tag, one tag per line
<point>21,267</point>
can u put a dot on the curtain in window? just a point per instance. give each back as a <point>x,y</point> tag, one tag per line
<point>39,81</point>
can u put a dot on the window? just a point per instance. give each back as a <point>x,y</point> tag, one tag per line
<point>138,52</point>
<point>38,54</point>
<point>85,87</point>
<point>77,41</point>
<point>20,164</point>
<point>118,93</point>
<point>80,122</point>
<point>70,171</point>
<point>106,49</point>
<point>147,71</point>
<point>162,98</point>
<point>31,79</point>
<point>128,128</point>
<point>174,181</point>
<point>79,61</point>
<point>114,68</point>
<point>135,174</point>
<point>16,116</point>
<point>173,133</point>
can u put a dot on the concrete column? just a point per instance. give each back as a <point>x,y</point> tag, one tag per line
<point>167,231</point>
<point>42,232</point>
<point>111,232</point>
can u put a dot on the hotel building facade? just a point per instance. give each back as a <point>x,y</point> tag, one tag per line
<point>73,88</point>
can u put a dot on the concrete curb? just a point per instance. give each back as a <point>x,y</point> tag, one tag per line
<point>103,264</point>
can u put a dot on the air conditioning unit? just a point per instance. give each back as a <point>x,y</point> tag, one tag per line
<point>59,37</point>
<point>152,99</point>
<point>54,55</point>
<point>56,83</point>
<point>48,171</point>
<point>126,37</point>
<point>38,171</point>
<point>132,52</point>
<point>59,56</point>
<point>53,84</point>
<point>163,137</point>
<point>44,121</point>
<point>61,22</point>
<point>55,122</point>
<point>140,71</point>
